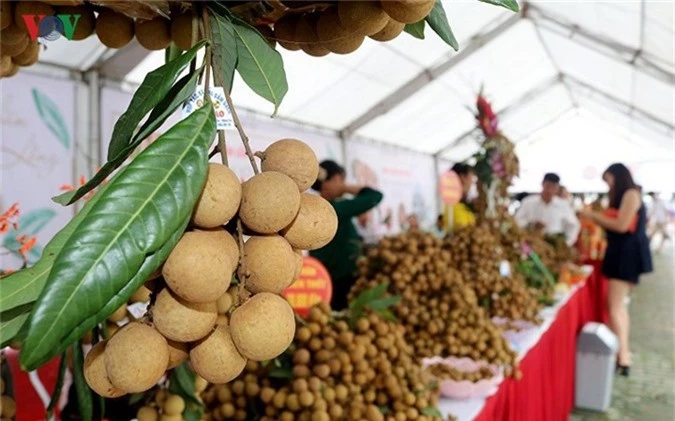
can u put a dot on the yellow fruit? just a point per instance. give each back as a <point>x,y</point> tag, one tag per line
<point>174,405</point>
<point>269,264</point>
<point>8,407</point>
<point>220,198</point>
<point>263,327</point>
<point>95,373</point>
<point>5,64</point>
<point>142,295</point>
<point>362,17</point>
<point>315,226</point>
<point>183,321</point>
<point>136,358</point>
<point>389,32</point>
<point>119,314</point>
<point>298,264</point>
<point>112,328</point>
<point>12,71</point>
<point>216,359</point>
<point>160,397</point>
<point>178,353</point>
<point>153,34</point>
<point>165,417</point>
<point>224,303</point>
<point>28,56</point>
<point>197,270</point>
<point>269,203</point>
<point>147,413</point>
<point>36,8</point>
<point>408,11</point>
<point>284,32</point>
<point>308,40</point>
<point>12,34</point>
<point>200,384</point>
<point>222,320</point>
<point>6,14</point>
<point>334,36</point>
<point>231,248</point>
<point>113,29</point>
<point>14,50</point>
<point>293,158</point>
<point>181,30</point>
<point>86,22</point>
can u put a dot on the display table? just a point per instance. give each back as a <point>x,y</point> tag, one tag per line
<point>547,358</point>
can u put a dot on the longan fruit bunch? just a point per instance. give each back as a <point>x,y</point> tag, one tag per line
<point>7,404</point>
<point>445,372</point>
<point>341,29</point>
<point>338,372</point>
<point>438,310</point>
<point>195,313</point>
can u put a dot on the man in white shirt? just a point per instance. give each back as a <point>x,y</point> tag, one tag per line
<point>549,212</point>
<point>658,218</point>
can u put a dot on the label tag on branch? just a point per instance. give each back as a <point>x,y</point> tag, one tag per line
<point>224,120</point>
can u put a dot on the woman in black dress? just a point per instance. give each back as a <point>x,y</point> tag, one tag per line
<point>627,255</point>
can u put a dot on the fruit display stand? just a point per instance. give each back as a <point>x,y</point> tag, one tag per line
<point>546,359</point>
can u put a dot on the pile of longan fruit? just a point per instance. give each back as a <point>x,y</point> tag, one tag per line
<point>194,312</point>
<point>477,253</point>
<point>439,311</point>
<point>339,372</point>
<point>445,372</point>
<point>319,28</point>
<point>7,403</point>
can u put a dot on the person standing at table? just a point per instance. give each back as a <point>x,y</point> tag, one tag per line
<point>627,255</point>
<point>340,255</point>
<point>548,212</point>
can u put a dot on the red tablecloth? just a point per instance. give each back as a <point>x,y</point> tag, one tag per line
<point>546,390</point>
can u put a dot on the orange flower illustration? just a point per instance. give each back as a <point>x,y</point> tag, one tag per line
<point>27,243</point>
<point>7,216</point>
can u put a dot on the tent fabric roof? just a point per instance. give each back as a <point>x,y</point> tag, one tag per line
<point>578,62</point>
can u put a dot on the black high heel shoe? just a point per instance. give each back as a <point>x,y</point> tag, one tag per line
<point>623,370</point>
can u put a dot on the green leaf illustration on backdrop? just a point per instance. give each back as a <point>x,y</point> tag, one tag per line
<point>30,225</point>
<point>51,116</point>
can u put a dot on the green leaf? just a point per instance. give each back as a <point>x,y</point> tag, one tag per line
<point>25,285</point>
<point>182,382</point>
<point>136,398</point>
<point>365,297</point>
<point>51,116</point>
<point>438,21</point>
<point>384,303</point>
<point>12,321</point>
<point>509,4</point>
<point>280,373</point>
<point>193,412</point>
<point>430,411</point>
<point>415,29</point>
<point>224,49</point>
<point>172,52</point>
<point>259,65</point>
<point>153,89</point>
<point>56,395</point>
<point>133,218</point>
<point>84,400</point>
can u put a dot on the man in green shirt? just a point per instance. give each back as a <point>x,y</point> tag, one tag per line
<point>340,255</point>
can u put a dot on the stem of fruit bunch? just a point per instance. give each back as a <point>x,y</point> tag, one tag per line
<point>242,277</point>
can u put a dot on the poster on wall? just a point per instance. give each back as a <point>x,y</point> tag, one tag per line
<point>407,180</point>
<point>37,147</point>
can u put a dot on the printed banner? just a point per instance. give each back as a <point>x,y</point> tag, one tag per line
<point>313,286</point>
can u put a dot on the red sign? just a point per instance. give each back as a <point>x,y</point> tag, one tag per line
<point>313,287</point>
<point>451,188</point>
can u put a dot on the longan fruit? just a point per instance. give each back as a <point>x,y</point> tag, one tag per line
<point>267,394</point>
<point>153,34</point>
<point>220,197</point>
<point>270,201</point>
<point>6,14</point>
<point>147,413</point>
<point>216,358</point>
<point>268,264</point>
<point>37,8</point>
<point>334,36</point>
<point>95,373</point>
<point>16,49</point>
<point>29,55</point>
<point>119,314</point>
<point>226,240</point>
<point>178,353</point>
<point>306,399</point>
<point>197,270</point>
<point>200,384</point>
<point>86,22</point>
<point>113,29</point>
<point>390,31</point>
<point>174,405</point>
<point>181,320</point>
<point>301,356</point>
<point>362,17</point>
<point>315,224</point>
<point>136,357</point>
<point>373,413</point>
<point>284,32</point>
<point>6,65</point>
<point>181,30</point>
<point>322,371</point>
<point>160,397</point>
<point>307,38</point>
<point>142,295</point>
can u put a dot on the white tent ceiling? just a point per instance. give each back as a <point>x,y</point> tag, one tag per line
<point>584,63</point>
